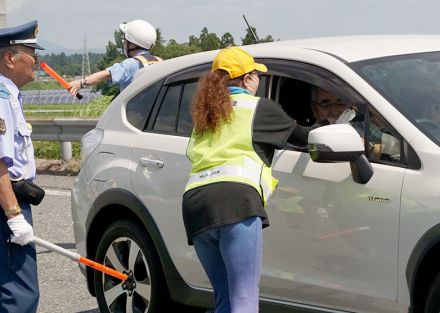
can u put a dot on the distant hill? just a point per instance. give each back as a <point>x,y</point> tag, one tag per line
<point>50,48</point>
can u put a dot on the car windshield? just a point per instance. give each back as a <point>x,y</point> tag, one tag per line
<point>412,84</point>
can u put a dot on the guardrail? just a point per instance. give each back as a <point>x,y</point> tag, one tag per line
<point>64,130</point>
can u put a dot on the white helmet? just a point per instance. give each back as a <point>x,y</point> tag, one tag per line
<point>139,32</point>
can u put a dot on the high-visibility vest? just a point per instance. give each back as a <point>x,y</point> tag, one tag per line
<point>228,155</point>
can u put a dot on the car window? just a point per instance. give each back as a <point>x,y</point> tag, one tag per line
<point>262,86</point>
<point>171,111</point>
<point>294,96</point>
<point>166,118</point>
<point>139,107</point>
<point>411,83</point>
<point>383,143</point>
<point>184,124</point>
<point>290,84</point>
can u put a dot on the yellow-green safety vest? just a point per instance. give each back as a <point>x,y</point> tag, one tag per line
<point>228,155</point>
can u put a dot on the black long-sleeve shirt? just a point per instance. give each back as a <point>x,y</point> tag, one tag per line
<point>225,203</point>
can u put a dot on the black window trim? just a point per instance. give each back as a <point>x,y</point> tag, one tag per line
<point>185,83</point>
<point>403,157</point>
<point>187,74</point>
<point>180,77</point>
<point>161,82</point>
<point>159,106</point>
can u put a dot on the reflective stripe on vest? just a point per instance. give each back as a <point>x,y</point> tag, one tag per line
<point>230,171</point>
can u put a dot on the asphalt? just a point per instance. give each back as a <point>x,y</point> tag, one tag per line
<point>63,289</point>
<point>57,182</point>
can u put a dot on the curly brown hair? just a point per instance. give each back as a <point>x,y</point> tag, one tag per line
<point>212,103</point>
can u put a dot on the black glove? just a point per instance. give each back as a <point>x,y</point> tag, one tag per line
<point>300,134</point>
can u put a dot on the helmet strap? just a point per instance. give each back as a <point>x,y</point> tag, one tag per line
<point>132,49</point>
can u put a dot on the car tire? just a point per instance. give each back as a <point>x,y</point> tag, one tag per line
<point>433,299</point>
<point>127,247</point>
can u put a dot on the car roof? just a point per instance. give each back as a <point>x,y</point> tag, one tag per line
<point>344,48</point>
<point>363,47</point>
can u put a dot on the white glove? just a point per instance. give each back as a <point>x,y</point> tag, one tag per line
<point>22,231</point>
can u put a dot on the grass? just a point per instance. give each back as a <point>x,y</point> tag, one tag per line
<point>52,150</point>
<point>51,106</point>
<point>47,111</point>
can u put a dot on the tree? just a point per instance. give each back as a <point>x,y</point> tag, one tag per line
<point>208,41</point>
<point>193,41</point>
<point>64,62</point>
<point>173,49</point>
<point>119,37</point>
<point>158,48</point>
<point>70,65</point>
<point>112,55</point>
<point>268,38</point>
<point>249,39</point>
<point>227,40</point>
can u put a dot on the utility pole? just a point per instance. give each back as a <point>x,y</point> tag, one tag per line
<point>85,69</point>
<point>2,13</point>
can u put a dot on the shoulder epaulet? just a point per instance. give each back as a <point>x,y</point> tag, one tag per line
<point>4,92</point>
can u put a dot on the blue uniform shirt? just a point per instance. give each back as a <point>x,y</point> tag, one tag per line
<point>16,149</point>
<point>123,73</point>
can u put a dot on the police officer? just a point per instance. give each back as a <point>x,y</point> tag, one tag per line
<point>139,38</point>
<point>18,268</point>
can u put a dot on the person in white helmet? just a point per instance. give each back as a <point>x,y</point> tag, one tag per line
<point>139,38</point>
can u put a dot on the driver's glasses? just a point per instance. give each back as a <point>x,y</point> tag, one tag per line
<point>325,103</point>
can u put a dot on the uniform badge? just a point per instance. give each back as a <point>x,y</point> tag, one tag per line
<point>2,126</point>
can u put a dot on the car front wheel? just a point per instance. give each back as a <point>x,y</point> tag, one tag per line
<point>126,247</point>
<point>433,301</point>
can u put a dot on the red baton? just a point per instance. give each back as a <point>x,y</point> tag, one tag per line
<point>57,77</point>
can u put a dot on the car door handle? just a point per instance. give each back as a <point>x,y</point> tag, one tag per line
<point>149,162</point>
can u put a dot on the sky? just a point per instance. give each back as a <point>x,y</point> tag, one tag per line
<point>67,23</point>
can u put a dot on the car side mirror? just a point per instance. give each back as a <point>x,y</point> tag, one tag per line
<point>340,143</point>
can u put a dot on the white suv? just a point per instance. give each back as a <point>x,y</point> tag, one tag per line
<point>340,239</point>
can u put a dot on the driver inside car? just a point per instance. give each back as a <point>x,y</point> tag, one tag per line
<point>328,108</point>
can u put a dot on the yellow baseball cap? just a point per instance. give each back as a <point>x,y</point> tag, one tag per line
<point>236,62</point>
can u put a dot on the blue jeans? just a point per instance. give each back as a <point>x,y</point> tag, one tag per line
<point>18,271</point>
<point>231,256</point>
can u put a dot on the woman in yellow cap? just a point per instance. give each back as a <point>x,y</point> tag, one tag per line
<point>231,149</point>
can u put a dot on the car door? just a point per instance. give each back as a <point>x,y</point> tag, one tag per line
<point>332,242</point>
<point>162,169</point>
